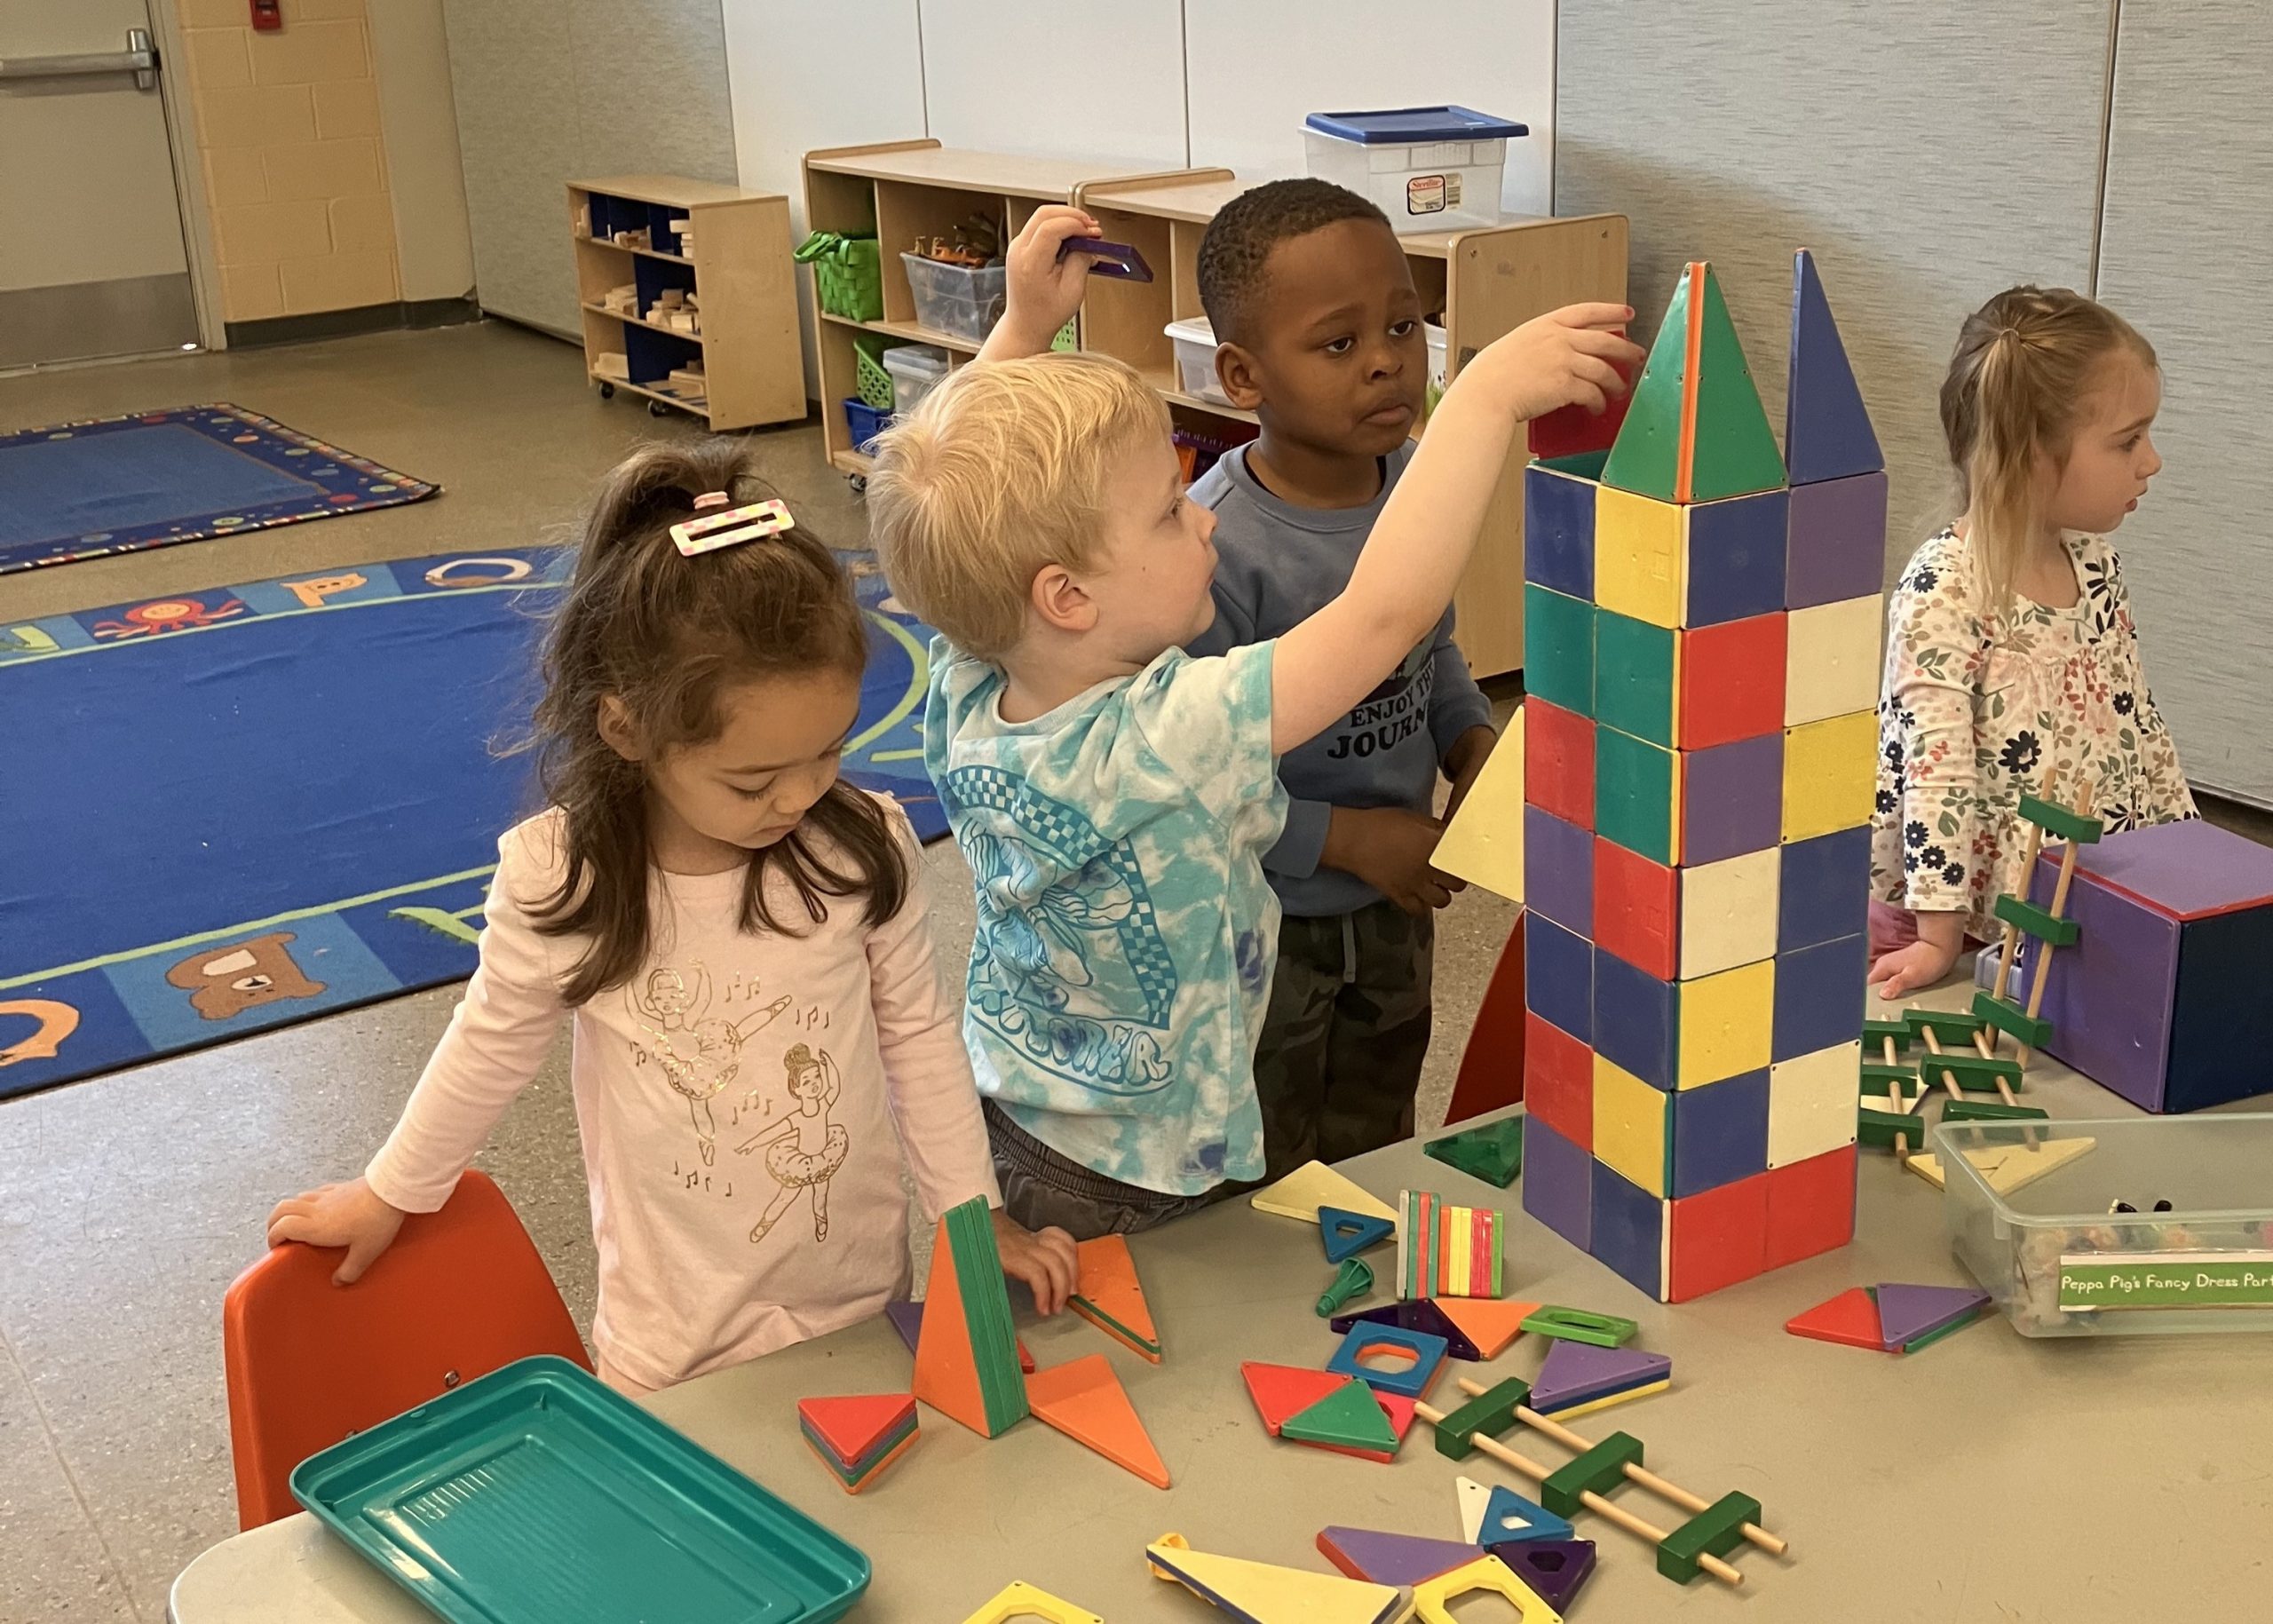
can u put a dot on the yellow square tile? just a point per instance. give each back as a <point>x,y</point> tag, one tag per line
<point>1811,1104</point>
<point>1728,912</point>
<point>1831,660</point>
<point>1727,1025</point>
<point>1637,556</point>
<point>1633,1126</point>
<point>1830,775</point>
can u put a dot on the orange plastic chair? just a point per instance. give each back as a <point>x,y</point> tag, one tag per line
<point>460,1293</point>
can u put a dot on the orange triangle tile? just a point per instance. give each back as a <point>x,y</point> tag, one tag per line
<point>1109,1296</point>
<point>1851,1319</point>
<point>1490,1323</point>
<point>947,1371</point>
<point>1084,1399</point>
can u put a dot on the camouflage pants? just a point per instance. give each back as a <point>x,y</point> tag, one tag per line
<point>1340,1059</point>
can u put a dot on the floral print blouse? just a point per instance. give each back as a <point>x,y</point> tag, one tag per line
<point>1970,715</point>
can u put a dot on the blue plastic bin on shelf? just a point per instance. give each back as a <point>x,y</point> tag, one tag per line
<point>1428,169</point>
<point>865,422</point>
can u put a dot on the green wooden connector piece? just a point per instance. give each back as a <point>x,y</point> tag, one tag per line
<point>1972,1071</point>
<point>1947,1026</point>
<point>1490,1413</point>
<point>1875,1033</point>
<point>2060,821</point>
<point>1599,1470</point>
<point>1990,1110</point>
<point>1580,1325</point>
<point>1880,1128</point>
<point>2009,1018</point>
<point>1878,1071</point>
<point>1354,1278</point>
<point>1718,1528</point>
<point>2037,922</point>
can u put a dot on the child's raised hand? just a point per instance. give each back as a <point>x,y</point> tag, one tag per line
<point>1567,357</point>
<point>350,1215</point>
<point>1042,1258</point>
<point>1044,291</point>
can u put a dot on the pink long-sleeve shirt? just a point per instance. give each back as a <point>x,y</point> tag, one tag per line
<point>745,1102</point>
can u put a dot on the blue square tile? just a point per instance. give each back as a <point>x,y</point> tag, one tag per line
<point>1825,889</point>
<point>1559,870</point>
<point>1720,1133</point>
<point>1819,996</point>
<point>1559,976</point>
<point>1559,532</point>
<point>1628,1226</point>
<point>1736,558</point>
<point>1636,1020</point>
<point>1558,1182</point>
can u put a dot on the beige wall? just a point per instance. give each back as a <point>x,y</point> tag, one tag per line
<point>329,151</point>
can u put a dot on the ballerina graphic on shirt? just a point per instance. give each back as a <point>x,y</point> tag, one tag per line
<point>700,1053</point>
<point>804,1149</point>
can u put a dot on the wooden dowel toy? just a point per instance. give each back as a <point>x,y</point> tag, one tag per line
<point>2037,975</point>
<point>1985,1041</point>
<point>1648,1479</point>
<point>2010,950</point>
<point>1604,1508</point>
<point>1933,1047</point>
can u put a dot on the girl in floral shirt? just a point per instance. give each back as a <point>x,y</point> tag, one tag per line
<point>2012,662</point>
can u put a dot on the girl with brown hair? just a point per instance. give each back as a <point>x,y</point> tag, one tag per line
<point>706,900</point>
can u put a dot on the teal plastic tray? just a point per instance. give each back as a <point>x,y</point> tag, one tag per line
<point>537,1495</point>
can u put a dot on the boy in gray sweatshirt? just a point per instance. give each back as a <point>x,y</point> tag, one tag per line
<point>1318,332</point>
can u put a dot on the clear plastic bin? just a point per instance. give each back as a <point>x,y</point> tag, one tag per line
<point>954,300</point>
<point>2059,1264</point>
<point>1195,359</point>
<point>1428,169</point>
<point>916,371</point>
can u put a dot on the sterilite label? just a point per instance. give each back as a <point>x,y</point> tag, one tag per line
<point>1425,194</point>
<point>2168,1280</point>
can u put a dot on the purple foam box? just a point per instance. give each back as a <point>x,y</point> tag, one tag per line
<point>2162,998</point>
<point>1629,1229</point>
<point>1559,531</point>
<point>1559,976</point>
<point>1731,799</point>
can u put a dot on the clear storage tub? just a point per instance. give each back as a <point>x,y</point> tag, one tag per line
<point>1428,169</point>
<point>916,371</point>
<point>2060,1265</point>
<point>954,300</point>
<point>1195,359</point>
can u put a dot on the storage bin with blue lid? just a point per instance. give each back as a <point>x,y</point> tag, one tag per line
<point>1428,169</point>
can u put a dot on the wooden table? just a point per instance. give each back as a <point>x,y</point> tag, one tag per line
<point>1988,1477</point>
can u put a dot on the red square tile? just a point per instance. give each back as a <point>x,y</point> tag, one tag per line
<point>1810,1206</point>
<point>1559,1080</point>
<point>1719,1237</point>
<point>1559,761</point>
<point>1637,909</point>
<point>1731,681</point>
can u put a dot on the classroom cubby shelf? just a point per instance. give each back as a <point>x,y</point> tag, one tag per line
<point>1485,281</point>
<point>753,366</point>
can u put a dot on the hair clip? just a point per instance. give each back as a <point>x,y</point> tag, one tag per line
<point>730,528</point>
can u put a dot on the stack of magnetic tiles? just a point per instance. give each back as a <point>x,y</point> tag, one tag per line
<point>1702,658</point>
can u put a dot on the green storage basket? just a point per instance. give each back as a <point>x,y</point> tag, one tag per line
<point>1069,337</point>
<point>848,274</point>
<point>870,381</point>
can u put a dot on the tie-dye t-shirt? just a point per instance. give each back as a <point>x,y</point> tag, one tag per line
<point>1126,934</point>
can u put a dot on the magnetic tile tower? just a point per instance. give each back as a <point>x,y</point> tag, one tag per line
<point>1702,637</point>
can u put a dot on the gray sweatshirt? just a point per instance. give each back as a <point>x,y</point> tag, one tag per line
<point>1279,564</point>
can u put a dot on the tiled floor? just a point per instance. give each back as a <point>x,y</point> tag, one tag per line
<point>127,1203</point>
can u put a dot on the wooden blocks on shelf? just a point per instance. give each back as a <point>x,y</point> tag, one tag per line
<point>1700,769</point>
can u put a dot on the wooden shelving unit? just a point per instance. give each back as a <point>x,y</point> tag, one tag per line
<point>1485,281</point>
<point>753,365</point>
